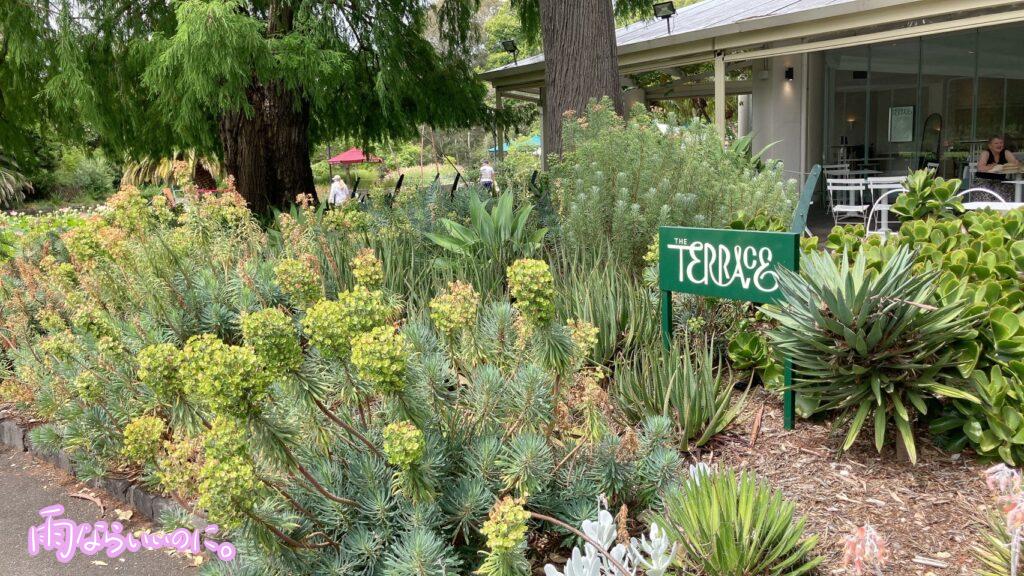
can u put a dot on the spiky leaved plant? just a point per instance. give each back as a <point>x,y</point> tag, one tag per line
<point>730,524</point>
<point>681,385</point>
<point>869,344</point>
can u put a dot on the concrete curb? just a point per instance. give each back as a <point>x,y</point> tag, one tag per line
<point>15,436</point>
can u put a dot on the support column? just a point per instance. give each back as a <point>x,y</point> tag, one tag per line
<point>745,113</point>
<point>499,130</point>
<point>720,94</point>
<point>630,98</point>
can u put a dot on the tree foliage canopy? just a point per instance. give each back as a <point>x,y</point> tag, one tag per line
<point>151,77</point>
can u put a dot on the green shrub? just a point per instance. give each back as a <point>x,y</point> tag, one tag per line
<point>672,384</point>
<point>619,180</point>
<point>80,175</point>
<point>995,425</point>
<point>731,524</point>
<point>866,343</point>
<point>928,197</point>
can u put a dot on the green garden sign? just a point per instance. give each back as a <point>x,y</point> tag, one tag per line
<point>731,264</point>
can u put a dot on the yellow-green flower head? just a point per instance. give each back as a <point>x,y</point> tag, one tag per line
<point>532,287</point>
<point>50,321</point>
<point>84,244</point>
<point>298,281</point>
<point>227,480</point>
<point>229,379</point>
<point>403,444</point>
<point>651,258</point>
<point>159,366</point>
<point>584,336</point>
<point>142,439</point>
<point>368,269</point>
<point>63,346</point>
<point>505,528</point>
<point>91,319</point>
<point>89,387</point>
<point>331,325</point>
<point>271,334</point>
<point>128,210</point>
<point>455,308</point>
<point>379,357</point>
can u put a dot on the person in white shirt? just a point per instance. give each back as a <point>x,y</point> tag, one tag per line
<point>487,176</point>
<point>339,192</point>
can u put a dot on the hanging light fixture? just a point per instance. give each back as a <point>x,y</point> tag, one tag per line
<point>512,48</point>
<point>665,11</point>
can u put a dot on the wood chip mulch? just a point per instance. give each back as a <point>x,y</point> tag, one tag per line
<point>930,514</point>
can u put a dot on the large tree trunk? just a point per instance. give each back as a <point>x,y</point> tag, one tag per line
<point>581,60</point>
<point>268,151</point>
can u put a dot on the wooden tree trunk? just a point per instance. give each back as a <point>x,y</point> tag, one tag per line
<point>268,151</point>
<point>581,60</point>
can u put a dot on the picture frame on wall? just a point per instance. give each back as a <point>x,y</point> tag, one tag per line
<point>901,123</point>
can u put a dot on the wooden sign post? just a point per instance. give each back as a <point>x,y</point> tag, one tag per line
<point>731,264</point>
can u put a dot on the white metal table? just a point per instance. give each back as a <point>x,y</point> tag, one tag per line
<point>999,206</point>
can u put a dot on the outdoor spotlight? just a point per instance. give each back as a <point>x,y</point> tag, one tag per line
<point>665,11</point>
<point>789,74</point>
<point>512,48</point>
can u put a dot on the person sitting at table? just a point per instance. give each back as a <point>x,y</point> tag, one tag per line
<point>991,164</point>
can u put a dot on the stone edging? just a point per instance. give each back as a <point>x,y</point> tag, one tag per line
<point>15,436</point>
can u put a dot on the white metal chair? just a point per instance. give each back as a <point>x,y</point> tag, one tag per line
<point>846,198</point>
<point>881,206</point>
<point>836,170</point>
<point>968,176</point>
<point>932,166</point>
<point>879,185</point>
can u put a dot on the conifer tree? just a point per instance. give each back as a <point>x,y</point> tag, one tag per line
<point>255,82</point>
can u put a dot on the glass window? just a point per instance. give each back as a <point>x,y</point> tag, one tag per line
<point>848,80</point>
<point>1000,84</point>
<point>894,139</point>
<point>947,90</point>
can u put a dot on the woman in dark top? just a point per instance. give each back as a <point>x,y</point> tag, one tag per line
<point>996,154</point>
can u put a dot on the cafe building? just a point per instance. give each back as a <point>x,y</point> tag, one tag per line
<point>878,86</point>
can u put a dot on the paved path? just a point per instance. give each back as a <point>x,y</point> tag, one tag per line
<point>26,485</point>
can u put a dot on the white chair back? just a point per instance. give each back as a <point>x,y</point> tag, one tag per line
<point>995,196</point>
<point>968,176</point>
<point>881,207</point>
<point>836,170</point>
<point>932,166</point>
<point>846,198</point>
<point>879,185</point>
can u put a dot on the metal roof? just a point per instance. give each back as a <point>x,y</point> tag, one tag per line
<point>711,18</point>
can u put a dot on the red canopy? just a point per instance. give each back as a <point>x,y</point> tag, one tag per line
<point>353,156</point>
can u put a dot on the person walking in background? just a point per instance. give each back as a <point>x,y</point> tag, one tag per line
<point>339,192</point>
<point>487,176</point>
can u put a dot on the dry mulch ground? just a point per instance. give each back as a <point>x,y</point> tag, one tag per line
<point>930,514</point>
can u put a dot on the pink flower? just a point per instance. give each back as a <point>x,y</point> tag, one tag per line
<point>864,551</point>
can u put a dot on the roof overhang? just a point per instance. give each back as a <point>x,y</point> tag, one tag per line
<point>815,29</point>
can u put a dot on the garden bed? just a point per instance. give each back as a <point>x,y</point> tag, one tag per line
<point>933,511</point>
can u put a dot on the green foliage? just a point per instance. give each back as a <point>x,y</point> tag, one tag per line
<point>531,285</point>
<point>379,357</point>
<point>677,386</point>
<point>731,524</point>
<point>298,281</point>
<point>618,181</point>
<point>231,380</point>
<point>142,438</point>
<point>749,350</point>
<point>491,242</point>
<point>79,176</point>
<point>271,335</point>
<point>994,426</point>
<point>868,343</point>
<point>927,197</point>
<point>331,325</point>
<point>994,551</point>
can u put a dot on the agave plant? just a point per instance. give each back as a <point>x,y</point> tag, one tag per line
<point>735,525</point>
<point>492,241</point>
<point>870,344</point>
<point>677,386</point>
